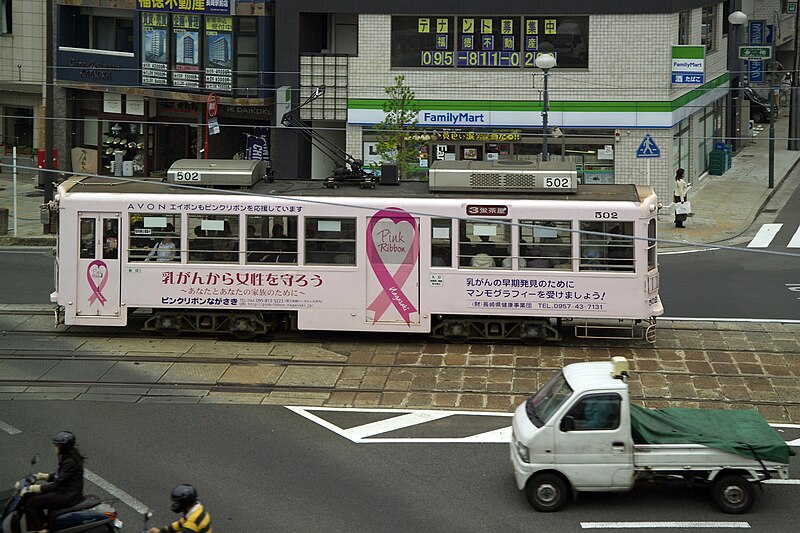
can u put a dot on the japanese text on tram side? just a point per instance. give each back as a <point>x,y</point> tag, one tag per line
<point>215,208</point>
<point>248,279</point>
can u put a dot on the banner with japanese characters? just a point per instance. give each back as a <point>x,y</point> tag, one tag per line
<point>200,7</point>
<point>219,53</point>
<point>186,32</point>
<point>155,49</point>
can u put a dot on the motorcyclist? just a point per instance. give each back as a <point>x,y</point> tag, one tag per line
<point>195,518</point>
<point>62,488</point>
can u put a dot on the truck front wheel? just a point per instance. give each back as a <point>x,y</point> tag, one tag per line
<point>733,494</point>
<point>547,492</point>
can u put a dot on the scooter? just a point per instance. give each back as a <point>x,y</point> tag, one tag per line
<point>91,515</point>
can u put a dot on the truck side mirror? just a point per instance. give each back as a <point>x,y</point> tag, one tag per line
<point>568,423</point>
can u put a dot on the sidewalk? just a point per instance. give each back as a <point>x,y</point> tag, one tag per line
<point>726,206</point>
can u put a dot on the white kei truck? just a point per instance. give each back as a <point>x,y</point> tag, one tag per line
<point>580,433</point>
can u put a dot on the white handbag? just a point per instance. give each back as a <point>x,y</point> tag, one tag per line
<point>683,208</point>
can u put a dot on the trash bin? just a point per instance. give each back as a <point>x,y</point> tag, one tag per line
<point>3,221</point>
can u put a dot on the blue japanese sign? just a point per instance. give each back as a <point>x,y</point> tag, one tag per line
<point>757,31</point>
<point>756,70</point>
<point>200,7</point>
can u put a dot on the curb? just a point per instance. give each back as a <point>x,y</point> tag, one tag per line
<point>28,241</point>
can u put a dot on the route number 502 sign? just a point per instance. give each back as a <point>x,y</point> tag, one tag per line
<point>557,182</point>
<point>187,176</point>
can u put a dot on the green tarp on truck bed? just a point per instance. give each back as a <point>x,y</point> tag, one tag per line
<point>744,433</point>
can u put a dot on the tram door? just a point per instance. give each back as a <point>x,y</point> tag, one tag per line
<point>393,268</point>
<point>98,293</point>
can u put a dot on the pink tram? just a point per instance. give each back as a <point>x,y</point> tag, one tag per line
<point>453,265</point>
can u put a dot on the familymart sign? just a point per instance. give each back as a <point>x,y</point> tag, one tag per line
<point>688,65</point>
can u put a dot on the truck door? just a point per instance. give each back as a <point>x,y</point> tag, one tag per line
<point>98,283</point>
<point>593,443</point>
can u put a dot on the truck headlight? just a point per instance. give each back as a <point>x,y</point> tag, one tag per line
<point>522,451</point>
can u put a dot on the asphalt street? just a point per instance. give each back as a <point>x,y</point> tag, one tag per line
<point>265,468</point>
<point>27,275</point>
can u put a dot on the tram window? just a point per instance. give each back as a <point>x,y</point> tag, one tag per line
<point>545,244</point>
<point>151,232</point>
<point>483,244</point>
<point>271,239</point>
<point>110,238</point>
<point>613,252</point>
<point>651,245</point>
<point>330,241</point>
<point>87,238</point>
<point>441,242</point>
<point>213,238</point>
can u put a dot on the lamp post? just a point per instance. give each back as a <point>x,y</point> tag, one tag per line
<point>737,19</point>
<point>545,62</point>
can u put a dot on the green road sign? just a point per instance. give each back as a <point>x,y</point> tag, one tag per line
<point>755,52</point>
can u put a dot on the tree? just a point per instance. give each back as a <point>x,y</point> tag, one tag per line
<point>396,143</point>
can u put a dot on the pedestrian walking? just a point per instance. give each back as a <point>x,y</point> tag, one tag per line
<point>679,196</point>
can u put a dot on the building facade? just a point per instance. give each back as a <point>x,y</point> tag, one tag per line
<point>139,76</point>
<point>628,78</point>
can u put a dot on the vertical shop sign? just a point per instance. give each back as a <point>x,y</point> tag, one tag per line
<point>186,29</point>
<point>219,53</point>
<point>155,49</point>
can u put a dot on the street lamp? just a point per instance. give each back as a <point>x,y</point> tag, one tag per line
<point>737,19</point>
<point>545,62</point>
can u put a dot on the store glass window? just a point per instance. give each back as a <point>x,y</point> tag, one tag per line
<point>684,26</point>
<point>213,238</point>
<point>5,16</point>
<point>330,241</point>
<point>271,239</point>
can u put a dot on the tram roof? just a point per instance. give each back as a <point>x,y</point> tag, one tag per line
<point>315,188</point>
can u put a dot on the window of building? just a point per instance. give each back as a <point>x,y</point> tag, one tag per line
<point>112,34</point>
<point>330,241</point>
<point>5,16</point>
<point>441,242</point>
<point>545,244</point>
<point>484,244</point>
<point>213,238</point>
<point>154,237</point>
<point>18,128</point>
<point>595,412</point>
<point>271,239</point>
<point>708,28</point>
<point>247,57</point>
<point>684,27</point>
<point>681,147</point>
<point>612,251</point>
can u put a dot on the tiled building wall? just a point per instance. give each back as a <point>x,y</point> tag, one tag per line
<point>25,45</point>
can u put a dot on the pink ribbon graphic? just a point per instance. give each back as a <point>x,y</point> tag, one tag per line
<point>97,290</point>
<point>392,284</point>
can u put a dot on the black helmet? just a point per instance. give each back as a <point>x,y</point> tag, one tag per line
<point>64,440</point>
<point>183,498</point>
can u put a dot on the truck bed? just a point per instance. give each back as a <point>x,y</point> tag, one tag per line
<point>682,457</point>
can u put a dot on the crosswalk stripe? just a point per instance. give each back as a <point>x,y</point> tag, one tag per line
<point>765,236</point>
<point>392,424</point>
<point>795,242</point>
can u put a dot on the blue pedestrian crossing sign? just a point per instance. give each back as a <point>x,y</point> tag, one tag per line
<point>648,148</point>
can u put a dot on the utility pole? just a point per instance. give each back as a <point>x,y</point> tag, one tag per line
<point>47,167</point>
<point>794,95</point>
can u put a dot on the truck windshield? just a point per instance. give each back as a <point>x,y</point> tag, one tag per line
<point>541,406</point>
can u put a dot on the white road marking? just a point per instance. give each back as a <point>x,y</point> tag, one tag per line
<point>764,236</point>
<point>660,525</point>
<point>782,481</point>
<point>391,424</point>
<point>405,418</point>
<point>8,428</point>
<point>751,320</point>
<point>115,491</point>
<point>795,241</point>
<point>680,252</point>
